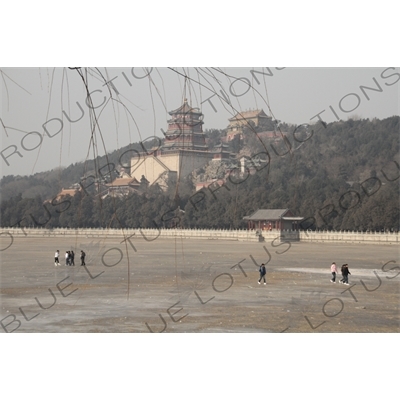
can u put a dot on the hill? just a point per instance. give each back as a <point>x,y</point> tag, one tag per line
<point>342,175</point>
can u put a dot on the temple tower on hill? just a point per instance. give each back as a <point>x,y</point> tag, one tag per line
<point>185,129</point>
<point>184,149</point>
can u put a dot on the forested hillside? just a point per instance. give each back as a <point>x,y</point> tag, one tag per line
<point>48,184</point>
<point>342,176</point>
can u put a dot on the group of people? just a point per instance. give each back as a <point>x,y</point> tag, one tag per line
<point>344,270</point>
<point>69,258</point>
<point>345,273</point>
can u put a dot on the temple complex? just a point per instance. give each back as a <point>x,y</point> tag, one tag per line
<point>254,118</point>
<point>183,151</point>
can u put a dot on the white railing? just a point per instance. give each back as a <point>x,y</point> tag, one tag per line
<point>210,234</point>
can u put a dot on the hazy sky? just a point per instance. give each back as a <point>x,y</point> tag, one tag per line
<point>47,117</point>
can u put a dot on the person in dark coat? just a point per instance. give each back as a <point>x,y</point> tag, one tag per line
<point>83,255</point>
<point>345,274</point>
<point>341,271</point>
<point>263,272</point>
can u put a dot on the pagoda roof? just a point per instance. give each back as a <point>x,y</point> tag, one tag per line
<point>67,192</point>
<point>221,145</point>
<point>249,114</point>
<point>185,108</point>
<point>124,182</point>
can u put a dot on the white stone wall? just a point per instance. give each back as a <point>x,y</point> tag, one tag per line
<point>8,235</point>
<point>185,163</point>
<point>153,167</point>
<point>350,237</point>
<point>149,167</point>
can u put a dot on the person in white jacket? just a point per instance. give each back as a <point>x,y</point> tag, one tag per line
<point>56,258</point>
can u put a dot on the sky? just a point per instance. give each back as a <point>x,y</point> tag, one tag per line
<point>47,119</point>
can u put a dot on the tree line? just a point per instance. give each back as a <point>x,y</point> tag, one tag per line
<point>340,176</point>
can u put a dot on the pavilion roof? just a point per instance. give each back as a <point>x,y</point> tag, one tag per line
<point>185,108</point>
<point>124,182</point>
<point>270,215</point>
<point>249,114</point>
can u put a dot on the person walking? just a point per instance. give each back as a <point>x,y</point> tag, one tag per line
<point>72,258</point>
<point>334,272</point>
<point>66,258</point>
<point>263,272</point>
<point>83,255</point>
<point>56,258</point>
<point>341,271</point>
<point>346,273</point>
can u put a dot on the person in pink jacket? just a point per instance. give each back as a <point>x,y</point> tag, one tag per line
<point>334,272</point>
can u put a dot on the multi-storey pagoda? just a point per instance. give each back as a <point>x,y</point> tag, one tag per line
<point>185,129</point>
